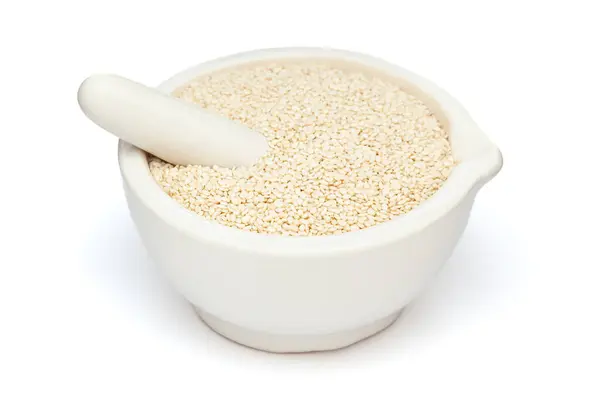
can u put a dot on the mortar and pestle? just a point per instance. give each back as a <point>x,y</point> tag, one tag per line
<point>277,293</point>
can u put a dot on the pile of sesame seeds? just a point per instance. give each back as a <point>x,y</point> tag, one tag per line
<point>347,150</point>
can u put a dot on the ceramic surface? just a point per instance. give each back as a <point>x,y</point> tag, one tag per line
<point>296,294</point>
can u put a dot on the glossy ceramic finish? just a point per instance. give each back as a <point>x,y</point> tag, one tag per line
<point>289,294</point>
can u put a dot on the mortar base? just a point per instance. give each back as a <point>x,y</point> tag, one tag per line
<point>275,343</point>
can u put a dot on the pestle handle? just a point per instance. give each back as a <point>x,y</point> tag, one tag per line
<point>172,129</point>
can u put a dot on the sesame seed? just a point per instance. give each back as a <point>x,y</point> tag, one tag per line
<point>347,150</point>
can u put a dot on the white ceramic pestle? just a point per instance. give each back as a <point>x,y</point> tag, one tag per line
<point>172,129</point>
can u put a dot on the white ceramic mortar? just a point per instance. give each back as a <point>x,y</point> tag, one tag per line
<point>297,294</point>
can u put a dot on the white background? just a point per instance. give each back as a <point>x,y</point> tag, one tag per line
<point>515,313</point>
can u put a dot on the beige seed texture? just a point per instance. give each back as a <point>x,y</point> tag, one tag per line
<point>347,150</point>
